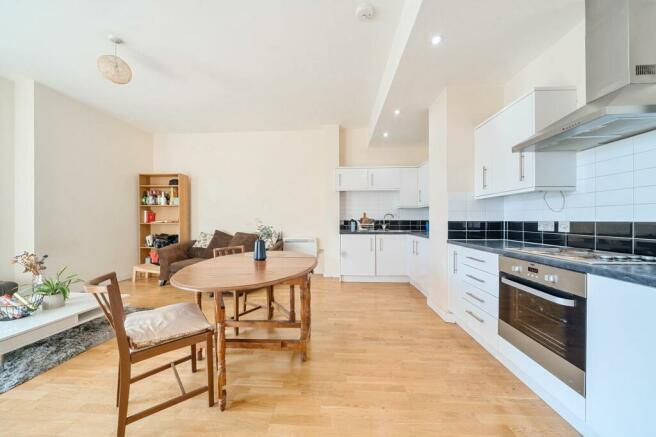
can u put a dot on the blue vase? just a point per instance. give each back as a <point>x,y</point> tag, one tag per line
<point>259,250</point>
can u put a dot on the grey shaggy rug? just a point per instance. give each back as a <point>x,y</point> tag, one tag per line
<point>24,364</point>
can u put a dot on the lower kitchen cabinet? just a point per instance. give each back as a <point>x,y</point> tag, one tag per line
<point>371,257</point>
<point>358,255</point>
<point>390,255</point>
<point>621,358</point>
<point>419,263</point>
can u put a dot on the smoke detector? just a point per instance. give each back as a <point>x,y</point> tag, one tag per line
<point>365,11</point>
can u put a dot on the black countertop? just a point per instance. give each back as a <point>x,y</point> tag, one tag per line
<point>380,231</point>
<point>643,274</point>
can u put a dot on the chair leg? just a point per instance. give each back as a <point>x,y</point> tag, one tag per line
<point>209,363</point>
<point>220,365</point>
<point>245,299</point>
<point>269,299</point>
<point>292,302</point>
<point>123,397</point>
<point>235,298</point>
<point>194,367</point>
<point>118,383</point>
<point>199,302</point>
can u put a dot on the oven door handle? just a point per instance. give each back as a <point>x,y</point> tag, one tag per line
<point>541,294</point>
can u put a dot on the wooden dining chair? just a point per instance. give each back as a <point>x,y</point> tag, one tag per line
<point>147,334</point>
<point>236,295</point>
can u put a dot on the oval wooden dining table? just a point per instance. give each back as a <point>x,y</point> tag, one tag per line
<point>239,272</point>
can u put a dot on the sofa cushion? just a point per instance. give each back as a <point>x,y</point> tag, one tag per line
<point>244,239</point>
<point>174,267</point>
<point>153,327</point>
<point>220,239</point>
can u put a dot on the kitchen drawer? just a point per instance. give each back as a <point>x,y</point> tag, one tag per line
<point>480,279</point>
<point>480,323</point>
<point>486,261</point>
<point>481,299</point>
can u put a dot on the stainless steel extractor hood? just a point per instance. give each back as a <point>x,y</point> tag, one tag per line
<point>620,54</point>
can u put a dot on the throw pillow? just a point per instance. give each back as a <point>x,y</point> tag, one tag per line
<point>244,239</point>
<point>220,239</point>
<point>203,240</point>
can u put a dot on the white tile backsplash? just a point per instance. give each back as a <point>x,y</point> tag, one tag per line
<point>376,204</point>
<point>615,182</point>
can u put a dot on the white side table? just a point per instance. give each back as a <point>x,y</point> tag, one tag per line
<point>79,308</point>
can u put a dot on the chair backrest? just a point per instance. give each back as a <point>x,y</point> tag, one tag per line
<point>107,292</point>
<point>228,250</point>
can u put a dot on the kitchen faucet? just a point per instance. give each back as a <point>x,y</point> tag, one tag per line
<point>384,225</point>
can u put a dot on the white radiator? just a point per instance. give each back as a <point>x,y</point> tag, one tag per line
<point>304,245</point>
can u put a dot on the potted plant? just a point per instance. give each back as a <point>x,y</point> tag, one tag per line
<point>55,290</point>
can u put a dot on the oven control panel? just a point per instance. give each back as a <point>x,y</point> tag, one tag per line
<point>554,277</point>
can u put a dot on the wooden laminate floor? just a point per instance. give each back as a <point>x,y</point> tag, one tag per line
<point>381,364</point>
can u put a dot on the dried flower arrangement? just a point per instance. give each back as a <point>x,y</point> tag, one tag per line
<point>30,262</point>
<point>267,233</point>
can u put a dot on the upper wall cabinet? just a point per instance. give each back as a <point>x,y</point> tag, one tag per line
<point>499,171</point>
<point>367,179</point>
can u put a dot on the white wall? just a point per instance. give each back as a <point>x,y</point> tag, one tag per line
<point>286,179</point>
<point>562,64</point>
<point>86,166</point>
<point>451,121</point>
<point>6,178</point>
<point>355,150</point>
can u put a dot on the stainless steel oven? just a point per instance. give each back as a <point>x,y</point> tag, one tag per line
<point>542,312</point>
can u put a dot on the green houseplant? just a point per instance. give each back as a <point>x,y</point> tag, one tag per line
<point>55,290</point>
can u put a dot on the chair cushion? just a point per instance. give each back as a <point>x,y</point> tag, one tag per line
<point>174,267</point>
<point>244,239</point>
<point>153,327</point>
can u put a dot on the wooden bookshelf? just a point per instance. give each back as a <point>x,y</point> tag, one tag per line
<point>169,218</point>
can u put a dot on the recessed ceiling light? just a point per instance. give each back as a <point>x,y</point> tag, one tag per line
<point>436,39</point>
<point>397,111</point>
<point>385,134</point>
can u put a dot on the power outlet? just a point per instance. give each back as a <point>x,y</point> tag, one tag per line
<point>546,226</point>
<point>563,226</point>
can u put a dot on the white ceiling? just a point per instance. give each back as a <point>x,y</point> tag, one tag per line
<point>221,65</point>
<point>231,65</point>
<point>483,42</point>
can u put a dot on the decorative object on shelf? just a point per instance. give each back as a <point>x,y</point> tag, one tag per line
<point>149,216</point>
<point>150,240</point>
<point>153,257</point>
<point>173,181</point>
<point>267,233</point>
<point>114,68</point>
<point>259,250</point>
<point>175,201</point>
<point>56,289</point>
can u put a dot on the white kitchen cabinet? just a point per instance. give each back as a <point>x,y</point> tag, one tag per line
<point>384,178</point>
<point>620,360</point>
<point>499,171</point>
<point>418,262</point>
<point>358,255</point>
<point>390,255</point>
<point>409,188</point>
<point>423,184</point>
<point>352,179</point>
<point>454,254</point>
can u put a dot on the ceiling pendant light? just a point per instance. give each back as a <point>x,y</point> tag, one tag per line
<point>113,67</point>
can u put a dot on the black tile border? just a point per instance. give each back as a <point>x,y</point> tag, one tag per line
<point>394,225</point>
<point>625,237</point>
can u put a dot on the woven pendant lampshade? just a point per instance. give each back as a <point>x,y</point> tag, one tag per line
<point>114,68</point>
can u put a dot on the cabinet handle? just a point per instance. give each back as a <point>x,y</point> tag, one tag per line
<point>473,296</point>
<point>475,278</point>
<point>478,319</point>
<point>419,196</point>
<point>417,250</point>
<point>371,178</point>
<point>521,166</point>
<point>475,259</point>
<point>371,244</point>
<point>455,262</point>
<point>484,177</point>
<point>381,244</point>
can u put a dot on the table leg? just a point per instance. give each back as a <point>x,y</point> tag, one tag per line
<point>219,314</point>
<point>305,322</point>
<point>309,307</point>
<point>292,303</point>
